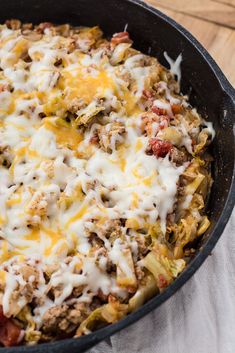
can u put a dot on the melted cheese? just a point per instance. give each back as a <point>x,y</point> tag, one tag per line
<point>174,65</point>
<point>66,135</point>
<point>85,85</point>
<point>60,188</point>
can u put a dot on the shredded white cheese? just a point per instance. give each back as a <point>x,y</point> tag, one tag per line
<point>59,187</point>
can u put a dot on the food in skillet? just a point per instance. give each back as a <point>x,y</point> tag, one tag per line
<point>103,180</point>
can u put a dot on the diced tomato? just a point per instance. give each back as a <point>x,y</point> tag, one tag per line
<point>3,319</point>
<point>43,26</point>
<point>163,121</point>
<point>147,94</point>
<point>148,119</point>
<point>9,331</point>
<point>121,37</point>
<point>162,282</point>
<point>94,140</point>
<point>176,108</point>
<point>160,148</point>
<point>158,111</point>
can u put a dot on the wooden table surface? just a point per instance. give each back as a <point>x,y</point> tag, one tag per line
<point>212,22</point>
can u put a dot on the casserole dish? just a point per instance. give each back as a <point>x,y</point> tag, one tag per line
<point>219,103</point>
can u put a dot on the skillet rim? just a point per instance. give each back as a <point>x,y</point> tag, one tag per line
<point>90,340</point>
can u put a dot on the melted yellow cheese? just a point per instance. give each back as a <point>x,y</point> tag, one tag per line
<point>139,145</point>
<point>135,200</point>
<point>2,220</point>
<point>20,47</point>
<point>66,135</point>
<point>2,276</point>
<point>85,86</point>
<point>14,201</point>
<point>54,236</point>
<point>78,163</point>
<point>130,103</point>
<point>34,235</point>
<point>6,253</point>
<point>83,210</point>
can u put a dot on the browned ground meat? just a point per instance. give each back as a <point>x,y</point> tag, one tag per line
<point>109,136</point>
<point>177,156</point>
<point>64,319</point>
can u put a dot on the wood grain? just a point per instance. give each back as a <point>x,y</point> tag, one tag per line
<point>228,2</point>
<point>217,39</point>
<point>209,10</point>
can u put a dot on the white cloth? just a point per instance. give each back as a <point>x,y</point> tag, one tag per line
<point>199,318</point>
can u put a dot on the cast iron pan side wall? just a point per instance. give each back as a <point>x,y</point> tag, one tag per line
<point>201,78</point>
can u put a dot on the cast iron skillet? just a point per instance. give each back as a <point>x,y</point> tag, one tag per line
<point>209,91</point>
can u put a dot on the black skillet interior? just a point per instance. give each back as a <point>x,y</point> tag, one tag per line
<point>209,91</point>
